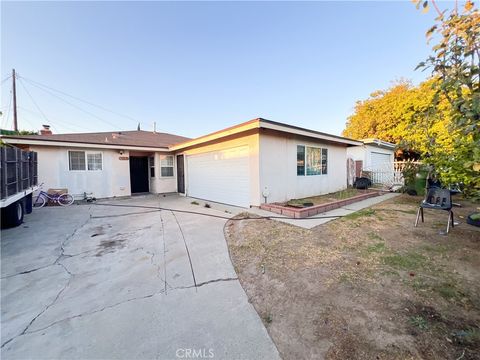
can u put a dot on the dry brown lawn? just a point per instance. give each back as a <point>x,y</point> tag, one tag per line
<point>367,286</point>
<point>323,199</point>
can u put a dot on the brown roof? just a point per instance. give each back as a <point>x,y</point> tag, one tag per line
<point>138,138</point>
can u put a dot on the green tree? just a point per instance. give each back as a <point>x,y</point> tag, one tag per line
<point>455,63</point>
<point>19,132</point>
<point>440,118</point>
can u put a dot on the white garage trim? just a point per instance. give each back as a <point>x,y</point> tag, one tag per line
<point>221,176</point>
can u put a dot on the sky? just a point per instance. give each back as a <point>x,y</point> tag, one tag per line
<point>198,67</point>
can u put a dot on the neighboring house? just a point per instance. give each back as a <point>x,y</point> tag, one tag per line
<point>244,165</point>
<point>374,156</point>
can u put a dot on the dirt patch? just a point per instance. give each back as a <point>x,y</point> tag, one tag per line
<point>367,286</point>
<point>327,198</point>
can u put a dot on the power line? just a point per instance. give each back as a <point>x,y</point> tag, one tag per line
<point>33,101</point>
<point>38,84</point>
<point>28,122</point>
<point>9,108</point>
<point>76,106</point>
<point>56,120</point>
<point>8,77</point>
<point>54,127</point>
<point>34,127</point>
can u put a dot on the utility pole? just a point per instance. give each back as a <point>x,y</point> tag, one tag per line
<point>14,89</point>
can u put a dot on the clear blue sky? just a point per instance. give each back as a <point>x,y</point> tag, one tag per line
<point>197,67</point>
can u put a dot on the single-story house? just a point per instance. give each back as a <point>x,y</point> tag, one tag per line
<point>376,157</point>
<point>245,165</point>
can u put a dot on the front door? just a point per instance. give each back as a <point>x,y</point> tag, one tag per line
<point>139,174</point>
<point>358,167</point>
<point>180,174</point>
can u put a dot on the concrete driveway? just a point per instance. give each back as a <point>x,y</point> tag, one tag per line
<point>101,282</point>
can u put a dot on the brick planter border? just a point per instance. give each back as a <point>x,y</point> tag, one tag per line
<point>293,212</point>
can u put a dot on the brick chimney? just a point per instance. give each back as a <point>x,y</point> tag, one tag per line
<point>46,130</point>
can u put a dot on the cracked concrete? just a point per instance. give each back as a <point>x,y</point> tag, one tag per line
<point>120,283</point>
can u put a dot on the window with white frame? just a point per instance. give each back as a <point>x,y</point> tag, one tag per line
<point>94,161</point>
<point>151,162</point>
<point>311,160</point>
<point>76,160</point>
<point>85,160</point>
<point>166,165</point>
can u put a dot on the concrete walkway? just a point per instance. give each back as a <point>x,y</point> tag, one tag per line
<point>101,282</point>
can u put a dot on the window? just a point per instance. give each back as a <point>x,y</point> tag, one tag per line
<point>76,160</point>
<point>311,160</point>
<point>151,162</point>
<point>300,160</point>
<point>166,165</point>
<point>83,160</point>
<point>94,161</point>
<point>324,160</point>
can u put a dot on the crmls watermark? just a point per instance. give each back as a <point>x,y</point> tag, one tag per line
<point>194,353</point>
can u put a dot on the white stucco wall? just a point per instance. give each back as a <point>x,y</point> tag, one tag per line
<point>357,153</point>
<point>278,168</point>
<point>272,159</point>
<point>162,184</point>
<point>112,180</point>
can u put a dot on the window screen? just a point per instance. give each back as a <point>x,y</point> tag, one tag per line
<point>324,160</point>
<point>300,160</point>
<point>76,160</point>
<point>166,165</point>
<point>151,161</point>
<point>94,161</point>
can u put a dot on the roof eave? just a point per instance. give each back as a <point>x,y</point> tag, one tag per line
<point>269,124</point>
<point>249,125</point>
<point>266,124</point>
<point>379,143</point>
<point>44,142</point>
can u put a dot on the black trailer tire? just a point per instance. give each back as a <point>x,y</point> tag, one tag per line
<point>18,210</point>
<point>19,213</point>
<point>12,215</point>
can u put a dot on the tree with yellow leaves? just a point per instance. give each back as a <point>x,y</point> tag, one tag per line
<point>440,118</point>
<point>403,115</point>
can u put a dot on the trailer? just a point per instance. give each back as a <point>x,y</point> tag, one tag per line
<point>18,181</point>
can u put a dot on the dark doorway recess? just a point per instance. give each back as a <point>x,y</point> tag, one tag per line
<point>180,174</point>
<point>139,174</point>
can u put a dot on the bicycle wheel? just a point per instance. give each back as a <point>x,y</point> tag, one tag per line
<point>39,202</point>
<point>65,199</point>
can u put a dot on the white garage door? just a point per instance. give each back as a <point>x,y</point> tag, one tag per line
<point>221,176</point>
<point>381,161</point>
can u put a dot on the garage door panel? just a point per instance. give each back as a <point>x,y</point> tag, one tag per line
<point>221,176</point>
<point>380,160</point>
